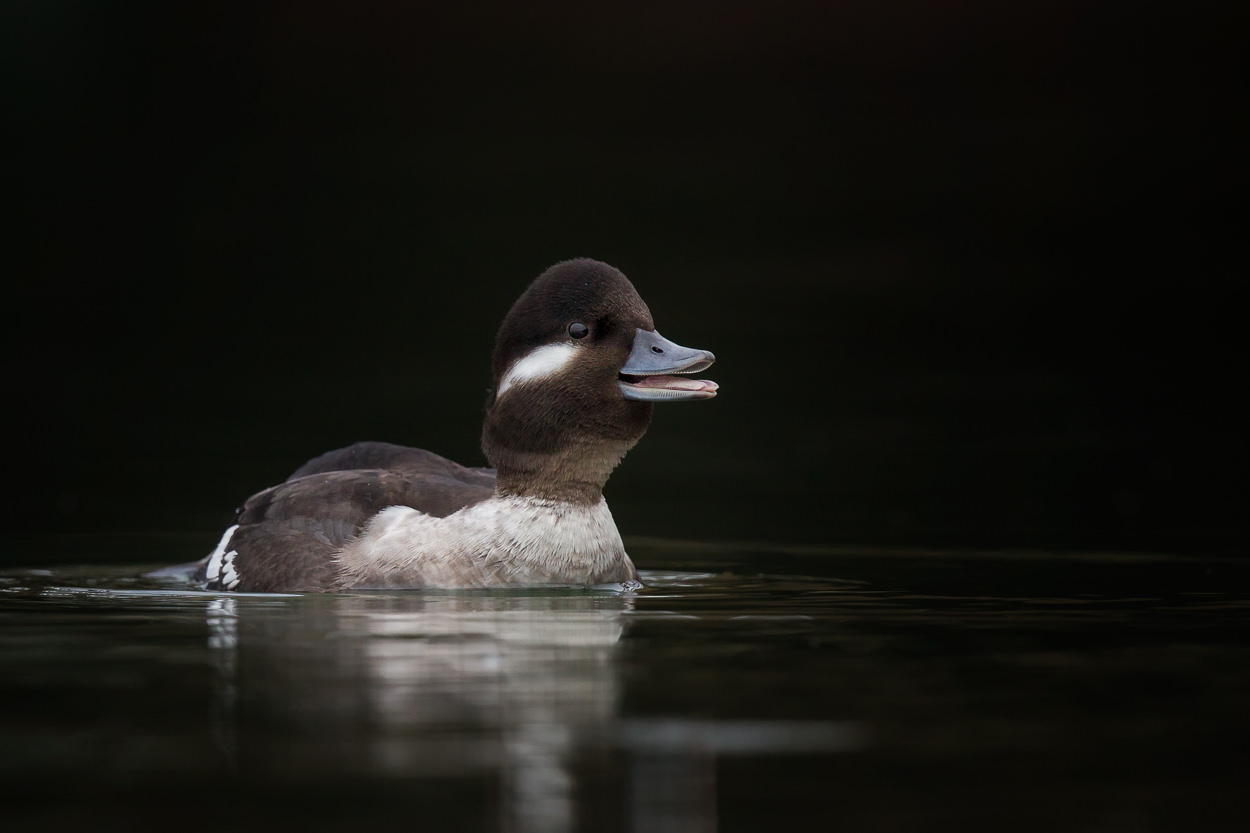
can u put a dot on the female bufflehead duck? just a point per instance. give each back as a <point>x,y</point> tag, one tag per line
<point>577,366</point>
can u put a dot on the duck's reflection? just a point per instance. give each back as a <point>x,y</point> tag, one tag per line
<point>421,684</point>
<point>518,695</point>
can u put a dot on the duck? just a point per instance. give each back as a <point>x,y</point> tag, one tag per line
<point>576,371</point>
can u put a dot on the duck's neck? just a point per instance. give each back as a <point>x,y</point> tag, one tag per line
<point>575,474</point>
<point>563,453</point>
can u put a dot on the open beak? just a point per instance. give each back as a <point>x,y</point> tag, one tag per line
<point>648,372</point>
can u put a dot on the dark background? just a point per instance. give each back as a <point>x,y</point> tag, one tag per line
<point>969,267</point>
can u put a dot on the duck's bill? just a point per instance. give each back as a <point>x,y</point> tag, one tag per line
<point>654,370</point>
<point>666,388</point>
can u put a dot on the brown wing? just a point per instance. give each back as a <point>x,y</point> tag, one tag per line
<point>288,534</point>
<point>370,455</point>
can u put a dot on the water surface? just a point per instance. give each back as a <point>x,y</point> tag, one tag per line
<point>745,687</point>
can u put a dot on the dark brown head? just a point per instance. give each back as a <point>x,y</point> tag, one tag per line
<point>577,366</point>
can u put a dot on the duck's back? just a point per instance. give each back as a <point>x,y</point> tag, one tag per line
<point>286,537</point>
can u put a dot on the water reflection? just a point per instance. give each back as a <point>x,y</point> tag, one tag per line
<point>524,689</point>
<point>411,684</point>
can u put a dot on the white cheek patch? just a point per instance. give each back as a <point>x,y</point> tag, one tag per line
<point>539,363</point>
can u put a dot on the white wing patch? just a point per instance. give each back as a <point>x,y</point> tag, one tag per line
<point>229,577</point>
<point>538,363</point>
<point>221,569</point>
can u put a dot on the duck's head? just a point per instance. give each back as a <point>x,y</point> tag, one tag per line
<point>577,367</point>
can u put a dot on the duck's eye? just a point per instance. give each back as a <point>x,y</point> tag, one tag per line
<point>578,330</point>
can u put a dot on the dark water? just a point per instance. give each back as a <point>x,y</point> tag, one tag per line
<point>970,275</point>
<point>745,688</point>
